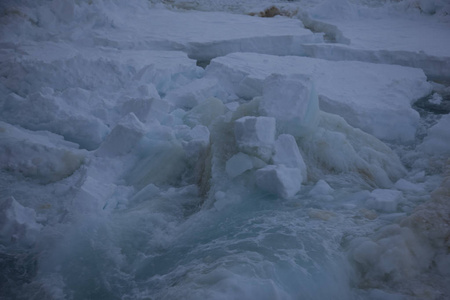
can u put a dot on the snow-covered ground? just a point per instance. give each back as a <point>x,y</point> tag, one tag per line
<point>225,149</point>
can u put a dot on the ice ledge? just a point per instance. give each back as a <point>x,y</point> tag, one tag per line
<point>435,67</point>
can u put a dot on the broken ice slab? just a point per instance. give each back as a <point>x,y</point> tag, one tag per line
<point>204,35</point>
<point>376,98</point>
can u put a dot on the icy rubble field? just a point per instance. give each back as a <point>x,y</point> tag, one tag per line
<point>225,149</point>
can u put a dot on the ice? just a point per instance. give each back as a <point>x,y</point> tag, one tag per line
<point>255,135</point>
<point>195,92</point>
<point>123,137</point>
<point>337,147</point>
<point>161,159</point>
<point>409,187</point>
<point>321,188</point>
<point>146,109</point>
<point>195,141</point>
<point>290,100</point>
<point>376,36</point>
<point>287,153</point>
<point>205,113</point>
<point>279,180</point>
<point>164,150</point>
<point>208,35</point>
<point>17,223</point>
<point>376,98</point>
<point>92,196</point>
<point>437,141</point>
<point>43,156</point>
<point>384,200</point>
<point>238,164</point>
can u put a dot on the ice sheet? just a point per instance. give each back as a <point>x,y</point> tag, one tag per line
<point>376,98</point>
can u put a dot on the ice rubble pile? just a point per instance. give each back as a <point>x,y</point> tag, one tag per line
<point>93,108</point>
<point>249,118</point>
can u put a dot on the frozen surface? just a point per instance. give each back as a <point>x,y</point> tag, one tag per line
<point>376,98</point>
<point>306,160</point>
<point>383,35</point>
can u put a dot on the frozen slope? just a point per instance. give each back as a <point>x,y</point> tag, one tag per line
<point>376,98</point>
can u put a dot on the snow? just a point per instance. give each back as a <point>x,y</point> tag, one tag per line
<point>209,153</point>
<point>374,97</point>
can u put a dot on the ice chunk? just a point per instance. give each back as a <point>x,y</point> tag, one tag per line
<point>322,188</point>
<point>17,223</point>
<point>292,101</point>
<point>45,111</point>
<point>123,137</point>
<point>40,155</point>
<point>438,140</point>
<point>195,141</point>
<point>238,164</point>
<point>338,147</point>
<point>195,92</point>
<point>161,159</point>
<point>146,108</point>
<point>384,200</point>
<point>407,186</point>
<point>255,135</point>
<point>288,154</point>
<point>279,180</point>
<point>93,196</point>
<point>205,113</point>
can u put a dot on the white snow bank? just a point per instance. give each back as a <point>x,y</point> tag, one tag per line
<point>17,223</point>
<point>42,155</point>
<point>376,98</point>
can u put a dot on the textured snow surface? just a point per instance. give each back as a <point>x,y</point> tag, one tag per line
<point>224,149</point>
